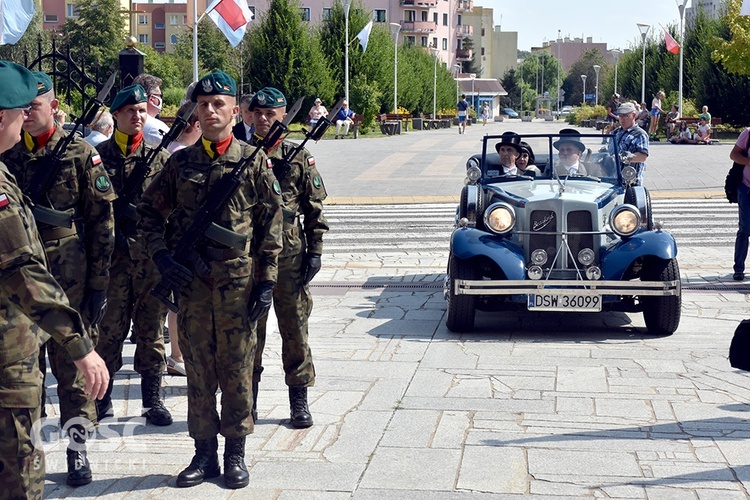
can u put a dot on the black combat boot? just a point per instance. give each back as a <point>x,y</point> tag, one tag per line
<point>153,407</point>
<point>79,468</point>
<point>254,413</point>
<point>204,465</point>
<point>300,413</point>
<point>104,406</point>
<point>235,470</point>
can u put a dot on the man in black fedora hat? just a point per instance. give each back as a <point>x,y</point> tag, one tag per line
<point>569,148</point>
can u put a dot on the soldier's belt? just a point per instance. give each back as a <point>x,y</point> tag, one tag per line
<point>224,253</point>
<point>57,233</point>
<point>226,237</point>
<point>52,217</point>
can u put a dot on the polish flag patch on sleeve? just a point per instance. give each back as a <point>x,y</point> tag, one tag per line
<point>311,161</point>
<point>269,163</point>
<point>4,201</point>
<point>96,159</point>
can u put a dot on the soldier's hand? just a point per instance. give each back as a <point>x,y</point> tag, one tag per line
<point>312,266</point>
<point>95,372</point>
<point>174,274</point>
<point>94,305</point>
<point>260,300</point>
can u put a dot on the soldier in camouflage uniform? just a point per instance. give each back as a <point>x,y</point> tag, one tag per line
<point>132,273</point>
<point>303,193</point>
<point>218,306</point>
<point>31,304</point>
<point>79,256</point>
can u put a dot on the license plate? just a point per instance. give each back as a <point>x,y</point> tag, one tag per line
<point>570,303</point>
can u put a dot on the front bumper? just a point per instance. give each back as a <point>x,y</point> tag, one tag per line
<point>568,287</point>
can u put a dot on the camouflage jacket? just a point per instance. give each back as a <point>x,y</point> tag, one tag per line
<point>83,188</point>
<point>182,187</point>
<point>303,193</point>
<point>119,167</point>
<point>29,296</point>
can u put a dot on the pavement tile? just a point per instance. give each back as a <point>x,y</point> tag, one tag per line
<point>415,469</point>
<point>494,470</point>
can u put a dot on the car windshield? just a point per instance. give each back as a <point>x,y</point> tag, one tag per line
<point>582,157</point>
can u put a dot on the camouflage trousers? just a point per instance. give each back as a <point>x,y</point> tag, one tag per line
<point>21,464</point>
<point>70,382</point>
<point>293,303</point>
<point>128,299</point>
<point>218,346</point>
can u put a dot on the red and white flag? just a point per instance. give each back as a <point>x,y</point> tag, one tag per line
<point>231,17</point>
<point>672,45</point>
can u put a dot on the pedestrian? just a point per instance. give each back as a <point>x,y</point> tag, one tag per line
<point>463,110</point>
<point>216,308</point>
<point>612,106</point>
<point>303,193</point>
<point>132,274</point>
<point>32,307</point>
<point>79,256</point>
<point>630,139</point>
<point>656,111</point>
<point>154,129</point>
<point>739,154</point>
<point>485,113</point>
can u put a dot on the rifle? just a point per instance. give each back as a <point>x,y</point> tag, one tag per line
<point>42,181</point>
<point>133,186</point>
<point>218,197</point>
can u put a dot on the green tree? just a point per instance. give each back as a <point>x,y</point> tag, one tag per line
<point>213,49</point>
<point>175,71</point>
<point>732,51</point>
<point>96,35</point>
<point>511,82</point>
<point>573,83</point>
<point>470,66</point>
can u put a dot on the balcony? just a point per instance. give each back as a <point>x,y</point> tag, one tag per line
<point>464,31</point>
<point>418,26</point>
<point>464,55</point>
<point>427,4</point>
<point>465,6</point>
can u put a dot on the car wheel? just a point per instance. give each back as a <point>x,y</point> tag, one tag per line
<point>661,314</point>
<point>461,308</point>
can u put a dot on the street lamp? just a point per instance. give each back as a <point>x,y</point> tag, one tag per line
<point>583,101</point>
<point>559,63</point>
<point>434,51</point>
<point>596,89</point>
<point>395,28</point>
<point>616,56</point>
<point>681,6</point>
<point>458,71</point>
<point>473,97</point>
<point>347,4</point>
<point>643,28</point>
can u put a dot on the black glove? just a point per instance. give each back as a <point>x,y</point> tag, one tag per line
<point>311,268</point>
<point>94,305</point>
<point>174,274</point>
<point>260,300</point>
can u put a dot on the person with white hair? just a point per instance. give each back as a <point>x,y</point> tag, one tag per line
<point>101,128</point>
<point>344,119</point>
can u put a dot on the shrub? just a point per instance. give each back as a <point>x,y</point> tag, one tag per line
<point>586,113</point>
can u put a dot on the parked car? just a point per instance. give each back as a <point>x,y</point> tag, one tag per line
<point>566,243</point>
<point>509,112</point>
<point>566,110</point>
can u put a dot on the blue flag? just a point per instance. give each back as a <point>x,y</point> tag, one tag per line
<point>16,16</point>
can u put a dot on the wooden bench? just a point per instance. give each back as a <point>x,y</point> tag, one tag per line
<point>357,122</point>
<point>695,121</point>
<point>402,119</point>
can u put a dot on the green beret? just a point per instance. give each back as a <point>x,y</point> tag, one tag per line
<point>134,94</point>
<point>216,83</point>
<point>20,85</point>
<point>44,82</point>
<point>267,97</point>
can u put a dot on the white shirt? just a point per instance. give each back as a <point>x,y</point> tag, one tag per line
<point>95,138</point>
<point>154,130</point>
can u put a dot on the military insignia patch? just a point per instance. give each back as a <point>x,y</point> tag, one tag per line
<point>317,182</point>
<point>4,201</point>
<point>102,183</point>
<point>137,94</point>
<point>206,84</point>
<point>269,163</point>
<point>311,161</point>
<point>276,187</point>
<point>262,99</point>
<point>96,159</point>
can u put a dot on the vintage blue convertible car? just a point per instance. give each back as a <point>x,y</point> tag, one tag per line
<point>562,240</point>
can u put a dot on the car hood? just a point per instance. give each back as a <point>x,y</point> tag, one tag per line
<point>522,192</point>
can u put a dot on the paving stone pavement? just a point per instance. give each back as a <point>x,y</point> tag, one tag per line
<point>541,406</point>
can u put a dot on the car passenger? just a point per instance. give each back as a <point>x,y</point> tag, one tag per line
<point>526,161</point>
<point>509,149</point>
<point>570,148</point>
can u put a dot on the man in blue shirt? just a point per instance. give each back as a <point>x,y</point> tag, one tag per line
<point>344,118</point>
<point>630,139</point>
<point>463,112</point>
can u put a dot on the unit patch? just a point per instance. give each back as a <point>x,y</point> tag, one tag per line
<point>102,183</point>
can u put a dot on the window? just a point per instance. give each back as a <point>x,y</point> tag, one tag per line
<point>482,50</point>
<point>445,44</point>
<point>458,21</point>
<point>423,40</point>
<point>425,15</point>
<point>435,17</point>
<point>142,19</point>
<point>174,19</point>
<point>434,42</point>
<point>159,45</point>
<point>184,20</point>
<point>410,15</point>
<point>482,31</point>
<point>326,13</point>
<point>143,38</point>
<point>411,40</point>
<point>159,26</point>
<point>380,16</point>
<point>445,19</point>
<point>71,10</point>
<point>305,13</point>
<point>173,39</point>
<point>50,18</point>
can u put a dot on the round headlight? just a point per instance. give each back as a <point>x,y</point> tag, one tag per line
<point>629,174</point>
<point>625,220</point>
<point>593,273</point>
<point>586,256</point>
<point>473,173</point>
<point>499,218</point>
<point>535,273</point>
<point>539,257</point>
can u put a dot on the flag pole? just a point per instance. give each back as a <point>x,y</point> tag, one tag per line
<point>195,40</point>
<point>681,7</point>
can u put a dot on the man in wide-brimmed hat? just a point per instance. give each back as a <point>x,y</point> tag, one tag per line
<point>570,148</point>
<point>509,149</point>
